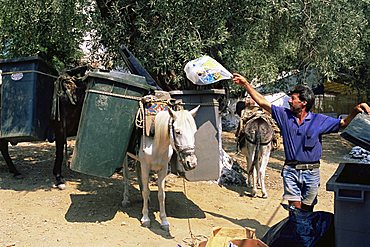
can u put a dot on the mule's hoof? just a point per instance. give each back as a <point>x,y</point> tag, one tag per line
<point>165,228</point>
<point>59,183</point>
<point>264,196</point>
<point>145,224</point>
<point>61,186</point>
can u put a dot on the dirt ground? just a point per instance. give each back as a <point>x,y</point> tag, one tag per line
<point>88,212</point>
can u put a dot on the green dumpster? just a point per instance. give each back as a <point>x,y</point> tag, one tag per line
<point>27,85</point>
<point>107,121</point>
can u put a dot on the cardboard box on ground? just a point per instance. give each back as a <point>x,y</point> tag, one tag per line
<point>233,237</point>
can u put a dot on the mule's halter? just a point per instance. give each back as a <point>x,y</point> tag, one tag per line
<point>181,150</point>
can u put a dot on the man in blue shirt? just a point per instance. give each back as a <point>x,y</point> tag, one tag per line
<point>302,133</point>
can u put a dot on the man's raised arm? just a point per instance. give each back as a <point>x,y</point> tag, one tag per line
<point>259,98</point>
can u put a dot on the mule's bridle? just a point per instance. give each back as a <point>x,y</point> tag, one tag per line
<point>182,151</point>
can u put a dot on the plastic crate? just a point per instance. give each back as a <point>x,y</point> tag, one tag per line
<point>351,186</point>
<point>26,98</point>
<point>358,132</point>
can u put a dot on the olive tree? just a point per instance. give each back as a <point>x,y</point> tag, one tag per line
<point>260,39</point>
<point>49,28</point>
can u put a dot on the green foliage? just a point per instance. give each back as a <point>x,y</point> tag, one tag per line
<point>260,39</point>
<point>164,35</point>
<point>357,75</point>
<point>49,28</point>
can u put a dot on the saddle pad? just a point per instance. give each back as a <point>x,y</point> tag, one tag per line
<point>151,110</point>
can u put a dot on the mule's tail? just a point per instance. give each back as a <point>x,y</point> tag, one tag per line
<point>256,155</point>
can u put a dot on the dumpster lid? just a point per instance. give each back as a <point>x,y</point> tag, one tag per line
<point>21,59</point>
<point>358,132</point>
<point>124,78</point>
<point>28,59</point>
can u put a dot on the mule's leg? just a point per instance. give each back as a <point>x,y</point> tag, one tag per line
<point>248,156</point>
<point>254,178</point>
<point>57,170</point>
<point>262,170</point>
<point>252,174</point>
<point>162,197</point>
<point>250,180</point>
<point>125,200</point>
<point>145,169</point>
<point>5,152</point>
<point>138,174</point>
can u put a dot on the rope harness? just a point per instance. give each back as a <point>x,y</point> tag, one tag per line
<point>149,106</point>
<point>28,71</point>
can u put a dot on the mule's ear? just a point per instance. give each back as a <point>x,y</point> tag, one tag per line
<point>172,112</point>
<point>194,111</point>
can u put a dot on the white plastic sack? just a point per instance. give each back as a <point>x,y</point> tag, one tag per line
<point>205,70</point>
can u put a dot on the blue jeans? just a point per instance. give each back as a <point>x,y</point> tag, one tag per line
<point>301,185</point>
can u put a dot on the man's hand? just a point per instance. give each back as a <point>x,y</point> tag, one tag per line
<point>360,108</point>
<point>239,79</point>
<point>363,107</point>
<point>256,96</point>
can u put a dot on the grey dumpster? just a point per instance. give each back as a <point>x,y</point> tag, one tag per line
<point>351,186</point>
<point>208,137</point>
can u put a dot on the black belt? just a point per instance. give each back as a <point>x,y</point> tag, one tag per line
<point>303,165</point>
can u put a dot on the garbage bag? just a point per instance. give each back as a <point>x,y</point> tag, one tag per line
<point>302,228</point>
<point>206,70</point>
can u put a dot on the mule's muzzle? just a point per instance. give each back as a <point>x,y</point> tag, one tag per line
<point>190,163</point>
<point>188,159</point>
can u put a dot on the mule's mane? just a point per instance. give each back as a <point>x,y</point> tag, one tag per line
<point>184,121</point>
<point>161,127</point>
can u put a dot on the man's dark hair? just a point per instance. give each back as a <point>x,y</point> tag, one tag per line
<point>305,94</point>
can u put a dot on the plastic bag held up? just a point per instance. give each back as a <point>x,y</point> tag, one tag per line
<point>205,70</point>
